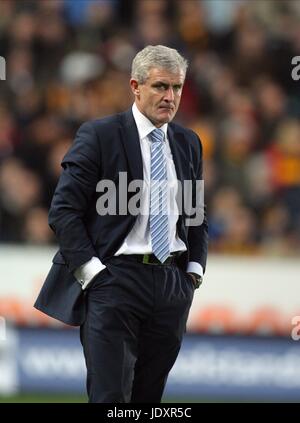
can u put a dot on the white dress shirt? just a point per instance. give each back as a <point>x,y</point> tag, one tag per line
<point>138,241</point>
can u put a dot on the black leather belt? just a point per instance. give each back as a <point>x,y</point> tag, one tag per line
<point>152,259</point>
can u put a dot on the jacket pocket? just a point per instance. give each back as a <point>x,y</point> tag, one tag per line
<point>58,258</point>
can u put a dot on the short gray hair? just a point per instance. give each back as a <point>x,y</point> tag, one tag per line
<point>156,57</point>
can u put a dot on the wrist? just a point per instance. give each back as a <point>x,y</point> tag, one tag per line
<point>197,279</point>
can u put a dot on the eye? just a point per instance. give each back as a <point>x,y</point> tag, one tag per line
<point>160,86</point>
<point>177,88</point>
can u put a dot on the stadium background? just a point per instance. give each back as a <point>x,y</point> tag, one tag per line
<point>68,61</point>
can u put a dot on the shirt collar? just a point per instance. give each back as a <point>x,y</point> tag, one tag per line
<point>144,125</point>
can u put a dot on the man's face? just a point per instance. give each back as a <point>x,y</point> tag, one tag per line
<point>159,96</point>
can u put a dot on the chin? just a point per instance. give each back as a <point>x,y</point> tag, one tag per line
<point>166,117</point>
<point>163,121</point>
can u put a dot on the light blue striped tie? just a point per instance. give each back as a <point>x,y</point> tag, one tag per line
<point>159,229</point>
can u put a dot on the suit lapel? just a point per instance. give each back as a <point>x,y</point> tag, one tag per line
<point>177,148</point>
<point>131,143</point>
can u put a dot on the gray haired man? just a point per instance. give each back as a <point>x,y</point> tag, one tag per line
<point>128,279</point>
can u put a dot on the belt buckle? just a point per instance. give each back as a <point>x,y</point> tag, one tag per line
<point>146,258</point>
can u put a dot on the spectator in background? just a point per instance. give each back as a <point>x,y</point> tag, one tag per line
<point>20,191</point>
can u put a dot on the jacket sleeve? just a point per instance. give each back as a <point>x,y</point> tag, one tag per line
<point>72,197</point>
<point>198,234</point>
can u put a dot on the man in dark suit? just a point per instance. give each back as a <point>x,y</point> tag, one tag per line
<point>126,277</point>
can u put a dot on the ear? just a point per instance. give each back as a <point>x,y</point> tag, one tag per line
<point>134,87</point>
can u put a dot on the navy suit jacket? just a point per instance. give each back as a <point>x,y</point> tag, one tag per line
<point>101,150</point>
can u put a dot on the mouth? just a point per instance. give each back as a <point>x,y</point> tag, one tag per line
<point>168,108</point>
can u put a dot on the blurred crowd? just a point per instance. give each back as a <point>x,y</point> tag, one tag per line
<point>69,61</point>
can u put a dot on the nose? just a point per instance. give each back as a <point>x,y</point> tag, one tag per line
<point>169,95</point>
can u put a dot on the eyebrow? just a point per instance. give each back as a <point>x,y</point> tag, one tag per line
<point>165,85</point>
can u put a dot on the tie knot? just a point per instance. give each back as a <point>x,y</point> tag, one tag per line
<point>157,135</point>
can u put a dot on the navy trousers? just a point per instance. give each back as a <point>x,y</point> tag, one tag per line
<point>136,317</point>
